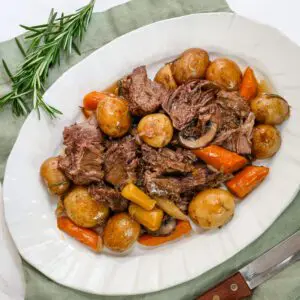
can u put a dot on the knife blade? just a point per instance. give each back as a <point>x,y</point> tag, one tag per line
<point>241,284</point>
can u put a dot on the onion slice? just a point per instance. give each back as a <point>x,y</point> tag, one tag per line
<point>202,141</point>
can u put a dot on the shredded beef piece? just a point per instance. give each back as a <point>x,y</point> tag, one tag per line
<point>144,95</point>
<point>121,162</point>
<point>166,160</point>
<point>170,173</point>
<point>194,105</point>
<point>83,159</point>
<point>172,186</point>
<point>233,101</point>
<point>237,122</point>
<point>184,103</point>
<point>233,110</point>
<point>216,178</point>
<point>161,186</point>
<point>108,196</point>
<point>238,140</point>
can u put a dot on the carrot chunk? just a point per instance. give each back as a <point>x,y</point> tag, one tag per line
<point>91,100</point>
<point>221,159</point>
<point>83,235</point>
<point>182,228</point>
<point>249,85</point>
<point>247,180</point>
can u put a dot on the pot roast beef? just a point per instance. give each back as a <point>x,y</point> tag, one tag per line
<point>144,95</point>
<point>184,103</point>
<point>193,107</point>
<point>83,158</point>
<point>109,196</point>
<point>238,140</point>
<point>121,162</point>
<point>236,123</point>
<point>172,174</point>
<point>165,160</point>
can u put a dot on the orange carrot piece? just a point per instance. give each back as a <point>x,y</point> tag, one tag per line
<point>182,228</point>
<point>83,235</point>
<point>91,100</point>
<point>247,180</point>
<point>221,159</point>
<point>249,85</point>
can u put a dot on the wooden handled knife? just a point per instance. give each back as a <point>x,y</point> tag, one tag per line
<point>241,284</point>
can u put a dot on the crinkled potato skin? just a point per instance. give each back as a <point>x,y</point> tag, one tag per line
<point>270,109</point>
<point>191,64</point>
<point>83,210</point>
<point>266,141</point>
<point>165,77</point>
<point>226,73</point>
<point>120,232</point>
<point>113,116</point>
<point>156,130</point>
<point>212,208</point>
<point>54,178</point>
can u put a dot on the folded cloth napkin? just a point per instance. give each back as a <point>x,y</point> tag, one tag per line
<point>104,28</point>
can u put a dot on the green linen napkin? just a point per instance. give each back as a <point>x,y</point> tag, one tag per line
<point>105,27</point>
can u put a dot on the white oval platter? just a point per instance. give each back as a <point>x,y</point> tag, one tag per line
<point>29,209</point>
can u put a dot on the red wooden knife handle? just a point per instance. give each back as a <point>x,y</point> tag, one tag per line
<point>233,288</point>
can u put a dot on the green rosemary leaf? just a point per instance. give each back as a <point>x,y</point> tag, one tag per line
<point>30,28</point>
<point>33,35</point>
<point>51,20</point>
<point>76,48</point>
<point>5,99</point>
<point>23,108</point>
<point>20,95</point>
<point>20,47</point>
<point>7,70</point>
<point>61,23</point>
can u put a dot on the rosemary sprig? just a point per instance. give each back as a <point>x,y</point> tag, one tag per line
<point>47,41</point>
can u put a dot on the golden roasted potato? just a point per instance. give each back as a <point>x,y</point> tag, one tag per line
<point>226,73</point>
<point>191,64</point>
<point>270,109</point>
<point>120,232</point>
<point>266,141</point>
<point>212,208</point>
<point>165,77</point>
<point>54,178</point>
<point>156,130</point>
<point>113,116</point>
<point>83,210</point>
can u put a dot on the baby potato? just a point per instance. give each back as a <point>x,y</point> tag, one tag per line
<point>165,77</point>
<point>270,109</point>
<point>120,232</point>
<point>191,64</point>
<point>212,208</point>
<point>113,116</point>
<point>156,130</point>
<point>54,178</point>
<point>83,210</point>
<point>226,73</point>
<point>266,141</point>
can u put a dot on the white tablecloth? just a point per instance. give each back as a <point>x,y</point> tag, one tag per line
<point>282,14</point>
